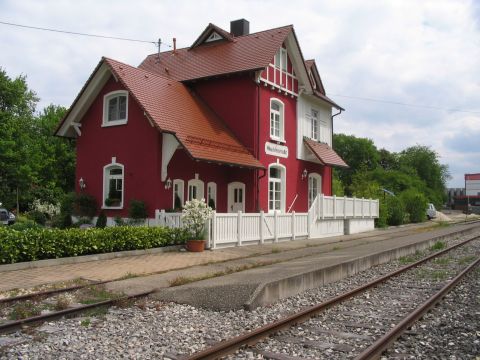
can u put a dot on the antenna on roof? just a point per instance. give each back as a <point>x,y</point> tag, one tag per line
<point>159,44</point>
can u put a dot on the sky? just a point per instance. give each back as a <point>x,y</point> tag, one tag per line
<point>370,54</point>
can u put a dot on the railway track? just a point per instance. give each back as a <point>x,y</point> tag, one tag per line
<point>360,323</point>
<point>11,326</point>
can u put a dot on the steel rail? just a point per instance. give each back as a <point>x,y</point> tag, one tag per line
<point>47,293</point>
<point>15,325</point>
<point>228,346</point>
<point>375,350</point>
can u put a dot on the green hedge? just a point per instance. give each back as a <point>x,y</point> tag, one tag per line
<point>40,243</point>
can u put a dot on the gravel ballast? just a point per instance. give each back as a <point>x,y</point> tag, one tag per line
<point>153,329</point>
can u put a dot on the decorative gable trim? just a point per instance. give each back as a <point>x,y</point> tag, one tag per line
<point>213,37</point>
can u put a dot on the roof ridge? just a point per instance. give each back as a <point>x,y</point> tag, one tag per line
<point>233,37</point>
<point>140,69</point>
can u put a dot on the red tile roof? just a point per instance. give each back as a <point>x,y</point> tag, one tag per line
<point>324,153</point>
<point>174,109</point>
<point>472,176</point>
<point>243,53</point>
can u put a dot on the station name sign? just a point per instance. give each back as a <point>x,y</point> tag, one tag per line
<point>276,150</point>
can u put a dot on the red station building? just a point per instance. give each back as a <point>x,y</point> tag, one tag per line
<point>239,119</point>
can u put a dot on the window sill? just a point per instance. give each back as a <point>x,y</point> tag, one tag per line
<point>112,207</point>
<point>278,140</point>
<point>114,123</point>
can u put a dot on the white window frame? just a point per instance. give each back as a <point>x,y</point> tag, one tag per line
<point>314,124</point>
<point>281,60</point>
<point>313,192</point>
<point>283,187</point>
<point>181,191</point>
<point>281,120</point>
<point>106,100</point>
<point>200,189</point>
<point>106,183</point>
<point>212,193</point>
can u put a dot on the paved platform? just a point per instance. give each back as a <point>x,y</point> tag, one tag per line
<point>170,265</point>
<point>313,268</point>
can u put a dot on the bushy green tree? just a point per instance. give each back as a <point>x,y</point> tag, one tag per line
<point>415,205</point>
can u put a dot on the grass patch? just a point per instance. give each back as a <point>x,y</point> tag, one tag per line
<point>128,275</point>
<point>24,310</point>
<point>443,224</point>
<point>275,250</point>
<point>93,294</point>
<point>442,261</point>
<point>405,260</point>
<point>62,303</point>
<point>439,245</point>
<point>437,275</point>
<point>85,322</point>
<point>466,260</point>
<point>335,248</point>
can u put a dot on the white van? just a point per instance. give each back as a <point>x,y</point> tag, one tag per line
<point>431,212</point>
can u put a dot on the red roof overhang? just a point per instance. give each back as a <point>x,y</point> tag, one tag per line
<point>324,153</point>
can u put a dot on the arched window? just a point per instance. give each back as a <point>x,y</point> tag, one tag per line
<point>276,120</point>
<point>314,187</point>
<point>113,186</point>
<point>115,108</point>
<point>178,192</point>
<point>212,195</point>
<point>195,189</point>
<point>276,187</point>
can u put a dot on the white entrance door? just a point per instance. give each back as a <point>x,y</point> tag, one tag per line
<point>236,197</point>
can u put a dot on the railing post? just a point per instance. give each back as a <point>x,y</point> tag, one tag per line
<point>363,200</point>
<point>157,215</point>
<point>262,220</point>
<point>354,207</point>
<point>344,207</point>
<point>239,229</point>
<point>334,206</point>
<point>293,225</point>
<point>370,208</point>
<point>163,221</point>
<point>309,217</point>
<point>322,206</point>
<point>213,229</point>
<point>275,224</point>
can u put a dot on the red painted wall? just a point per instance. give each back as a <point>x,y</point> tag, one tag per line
<point>234,99</point>
<point>135,145</point>
<point>294,167</point>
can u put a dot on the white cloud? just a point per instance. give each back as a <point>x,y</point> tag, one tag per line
<point>406,51</point>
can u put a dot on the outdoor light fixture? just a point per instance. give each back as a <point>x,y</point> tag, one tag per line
<point>304,174</point>
<point>82,184</point>
<point>168,184</point>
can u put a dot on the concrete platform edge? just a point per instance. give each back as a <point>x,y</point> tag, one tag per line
<point>85,258</point>
<point>268,293</point>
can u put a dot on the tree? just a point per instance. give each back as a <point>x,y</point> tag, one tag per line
<point>358,153</point>
<point>17,106</point>
<point>34,164</point>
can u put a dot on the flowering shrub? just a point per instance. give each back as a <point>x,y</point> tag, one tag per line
<point>194,215</point>
<point>45,208</point>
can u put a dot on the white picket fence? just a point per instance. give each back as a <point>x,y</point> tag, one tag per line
<point>235,229</point>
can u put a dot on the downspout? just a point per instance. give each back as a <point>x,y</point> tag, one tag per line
<point>258,149</point>
<point>331,172</point>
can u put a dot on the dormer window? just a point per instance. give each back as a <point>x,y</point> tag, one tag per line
<point>115,108</point>
<point>281,59</point>
<point>213,37</point>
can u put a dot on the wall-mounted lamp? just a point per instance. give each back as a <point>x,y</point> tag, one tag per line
<point>304,174</point>
<point>82,184</point>
<point>168,184</point>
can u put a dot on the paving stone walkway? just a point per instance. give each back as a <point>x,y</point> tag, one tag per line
<point>162,262</point>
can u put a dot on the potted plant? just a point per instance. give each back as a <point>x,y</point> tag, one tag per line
<point>194,215</point>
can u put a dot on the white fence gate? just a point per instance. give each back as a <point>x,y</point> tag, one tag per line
<point>326,217</point>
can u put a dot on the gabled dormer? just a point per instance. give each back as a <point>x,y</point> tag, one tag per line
<point>212,34</point>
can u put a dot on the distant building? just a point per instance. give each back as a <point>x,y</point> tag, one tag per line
<point>469,201</point>
<point>452,193</point>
